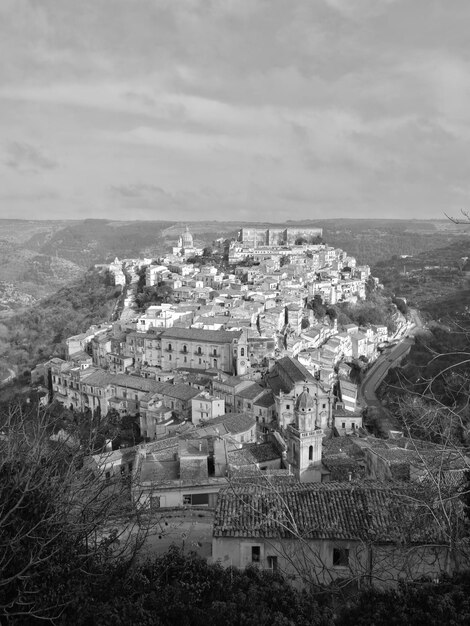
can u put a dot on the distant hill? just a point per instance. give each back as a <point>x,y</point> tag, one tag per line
<point>437,281</point>
<point>41,256</point>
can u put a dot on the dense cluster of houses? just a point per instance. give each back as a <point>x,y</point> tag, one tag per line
<point>241,395</point>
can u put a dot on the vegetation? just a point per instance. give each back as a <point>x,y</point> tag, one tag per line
<point>434,281</point>
<point>40,332</point>
<point>430,392</point>
<point>376,309</point>
<point>156,294</point>
<point>56,543</point>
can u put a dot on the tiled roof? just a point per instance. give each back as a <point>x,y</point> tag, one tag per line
<point>266,400</point>
<point>344,468</point>
<point>198,334</point>
<point>263,451</point>
<point>252,454</point>
<point>193,447</point>
<point>193,469</point>
<point>348,511</point>
<point>181,392</point>
<point>251,392</point>
<point>234,422</point>
<point>294,370</point>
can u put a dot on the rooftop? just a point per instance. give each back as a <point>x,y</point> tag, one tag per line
<point>294,370</point>
<point>199,334</point>
<point>234,422</point>
<point>351,511</point>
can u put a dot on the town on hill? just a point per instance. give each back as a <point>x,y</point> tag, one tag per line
<point>238,372</point>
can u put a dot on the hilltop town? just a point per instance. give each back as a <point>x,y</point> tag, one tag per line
<point>241,380</point>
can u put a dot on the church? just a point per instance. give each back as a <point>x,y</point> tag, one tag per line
<point>185,246</point>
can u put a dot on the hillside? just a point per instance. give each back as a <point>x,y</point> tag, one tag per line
<point>39,257</point>
<point>40,332</point>
<point>436,281</point>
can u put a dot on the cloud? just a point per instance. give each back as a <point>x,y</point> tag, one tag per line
<point>25,157</point>
<point>139,190</point>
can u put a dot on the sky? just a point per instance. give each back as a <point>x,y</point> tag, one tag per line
<point>234,109</point>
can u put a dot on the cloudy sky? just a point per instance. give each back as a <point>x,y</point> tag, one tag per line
<point>234,109</point>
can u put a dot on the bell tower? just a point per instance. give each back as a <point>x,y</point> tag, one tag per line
<point>304,440</point>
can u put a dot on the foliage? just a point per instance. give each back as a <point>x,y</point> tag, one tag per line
<point>41,331</point>
<point>183,589</point>
<point>54,521</point>
<point>433,280</point>
<point>317,306</point>
<point>430,392</point>
<point>425,603</point>
<point>157,294</point>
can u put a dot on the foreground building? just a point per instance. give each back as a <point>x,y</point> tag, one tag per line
<point>321,533</point>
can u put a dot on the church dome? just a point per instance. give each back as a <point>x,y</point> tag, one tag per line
<point>187,239</point>
<point>305,402</point>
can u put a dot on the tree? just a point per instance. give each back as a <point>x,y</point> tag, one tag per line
<point>56,520</point>
<point>465,220</point>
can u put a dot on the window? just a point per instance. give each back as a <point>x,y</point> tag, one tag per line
<point>169,347</point>
<point>287,406</point>
<point>185,348</point>
<point>340,557</point>
<point>169,357</point>
<point>343,425</point>
<point>272,563</point>
<point>196,499</point>
<point>185,359</point>
<point>200,361</point>
<point>255,554</point>
<point>324,406</point>
<point>242,351</point>
<point>353,425</point>
<point>215,362</point>
<point>310,453</point>
<point>199,351</point>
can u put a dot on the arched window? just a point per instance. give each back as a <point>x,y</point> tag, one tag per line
<point>310,453</point>
<point>242,351</point>
<point>199,351</point>
<point>169,347</point>
<point>185,348</point>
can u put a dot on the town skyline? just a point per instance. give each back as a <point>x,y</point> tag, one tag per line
<point>241,110</point>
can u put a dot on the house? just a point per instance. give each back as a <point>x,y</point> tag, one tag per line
<point>227,388</point>
<point>205,406</point>
<point>199,349</point>
<point>348,394</point>
<point>320,533</point>
<point>346,421</point>
<point>174,473</point>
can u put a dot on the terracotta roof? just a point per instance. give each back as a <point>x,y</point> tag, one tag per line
<point>266,400</point>
<point>193,469</point>
<point>234,422</point>
<point>251,392</point>
<point>352,511</point>
<point>294,370</point>
<point>180,392</point>
<point>199,334</point>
